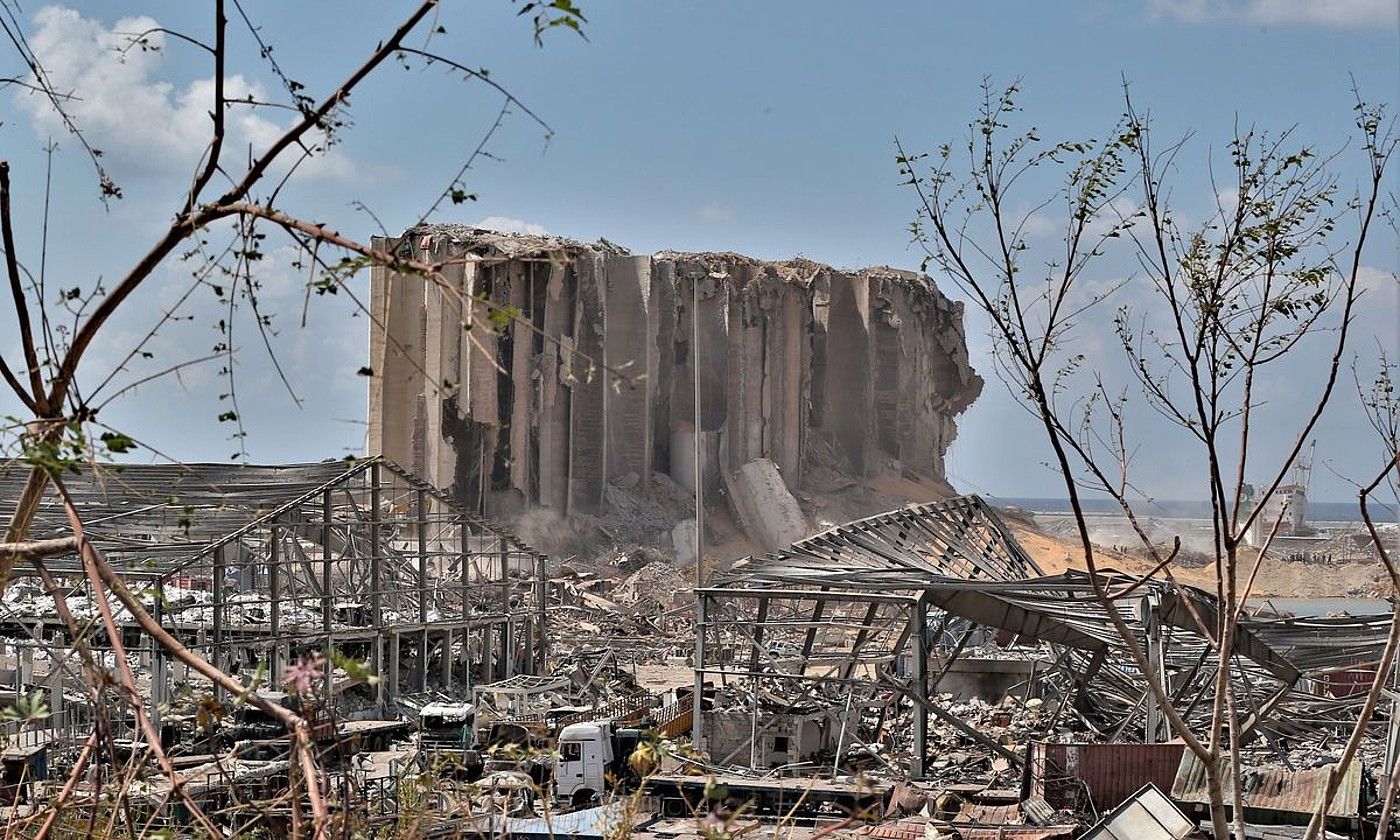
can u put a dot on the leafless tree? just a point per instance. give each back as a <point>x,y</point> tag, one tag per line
<point>1271,273</point>
<point>233,200</point>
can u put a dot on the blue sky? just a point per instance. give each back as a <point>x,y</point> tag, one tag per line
<point>764,128</point>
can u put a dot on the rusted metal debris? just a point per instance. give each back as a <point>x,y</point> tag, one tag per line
<point>1277,795</point>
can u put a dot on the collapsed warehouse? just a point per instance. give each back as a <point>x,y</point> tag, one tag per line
<point>911,671</point>
<point>851,648</point>
<point>256,569</point>
<point>252,565</point>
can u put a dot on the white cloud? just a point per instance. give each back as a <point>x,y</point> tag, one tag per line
<point>142,122</point>
<point>1119,209</point>
<point>505,224</point>
<point>1336,13</point>
<point>1227,200</point>
<point>717,212</point>
<point>1379,309</point>
<point>1373,279</point>
<point>1038,225</point>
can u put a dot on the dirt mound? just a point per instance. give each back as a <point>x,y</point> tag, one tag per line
<point>1278,576</point>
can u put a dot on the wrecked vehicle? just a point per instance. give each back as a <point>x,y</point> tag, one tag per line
<point>445,739</point>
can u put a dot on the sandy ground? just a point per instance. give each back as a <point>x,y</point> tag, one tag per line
<point>659,677</point>
<point>1277,576</point>
<point>837,499</point>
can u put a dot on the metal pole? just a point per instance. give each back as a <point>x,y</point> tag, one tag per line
<point>423,588</point>
<point>699,475</point>
<point>921,701</point>
<point>697,729</point>
<point>841,741</point>
<point>376,598</point>
<point>219,660</point>
<point>274,610</point>
<point>542,617</point>
<point>753,729</point>
<point>327,605</point>
<point>1152,625</point>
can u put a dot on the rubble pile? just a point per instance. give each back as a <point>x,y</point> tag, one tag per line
<point>911,673</point>
<point>655,585</point>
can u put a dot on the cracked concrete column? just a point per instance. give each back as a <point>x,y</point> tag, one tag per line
<point>588,416</point>
<point>554,393</point>
<point>629,347</point>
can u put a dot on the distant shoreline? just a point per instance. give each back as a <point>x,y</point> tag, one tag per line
<point>1175,509</point>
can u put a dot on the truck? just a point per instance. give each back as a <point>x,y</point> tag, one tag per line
<point>593,760</point>
<point>451,743</point>
<point>445,737</point>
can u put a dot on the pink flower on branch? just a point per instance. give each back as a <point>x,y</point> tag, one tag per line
<point>300,677</point>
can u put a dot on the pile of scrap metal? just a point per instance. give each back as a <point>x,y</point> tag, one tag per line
<point>647,617</point>
<point>925,644</point>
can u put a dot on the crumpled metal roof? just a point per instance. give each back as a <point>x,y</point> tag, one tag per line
<point>957,539</point>
<point>157,517</point>
<point>957,556</point>
<point>1273,793</point>
<point>155,511</point>
<point>960,555</point>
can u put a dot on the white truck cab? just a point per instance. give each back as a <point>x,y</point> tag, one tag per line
<point>585,753</point>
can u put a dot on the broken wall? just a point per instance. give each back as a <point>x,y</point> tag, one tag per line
<point>595,381</point>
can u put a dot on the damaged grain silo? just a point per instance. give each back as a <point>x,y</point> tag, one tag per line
<point>798,364</point>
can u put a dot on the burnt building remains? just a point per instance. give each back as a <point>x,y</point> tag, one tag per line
<point>796,365</point>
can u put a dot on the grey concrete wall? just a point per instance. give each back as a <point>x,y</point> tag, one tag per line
<point>795,361</point>
<point>553,392</point>
<point>849,410</point>
<point>629,348</point>
<point>588,457</point>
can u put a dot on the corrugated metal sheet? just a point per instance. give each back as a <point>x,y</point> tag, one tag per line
<point>588,824</point>
<point>1110,772</point>
<point>913,829</point>
<point>1272,794</point>
<point>974,812</point>
<point>902,549</point>
<point>1146,815</point>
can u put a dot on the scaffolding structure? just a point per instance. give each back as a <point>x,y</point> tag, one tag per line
<point>257,567</point>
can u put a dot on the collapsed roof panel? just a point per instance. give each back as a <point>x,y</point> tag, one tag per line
<point>151,517</point>
<point>161,512</point>
<point>905,549</point>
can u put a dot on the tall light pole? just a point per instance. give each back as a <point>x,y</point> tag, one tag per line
<point>699,474</point>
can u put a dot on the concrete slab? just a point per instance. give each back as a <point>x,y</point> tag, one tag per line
<point>767,511</point>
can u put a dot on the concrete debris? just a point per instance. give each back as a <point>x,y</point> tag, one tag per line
<point>684,539</point>
<point>765,508</point>
<point>655,585</point>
